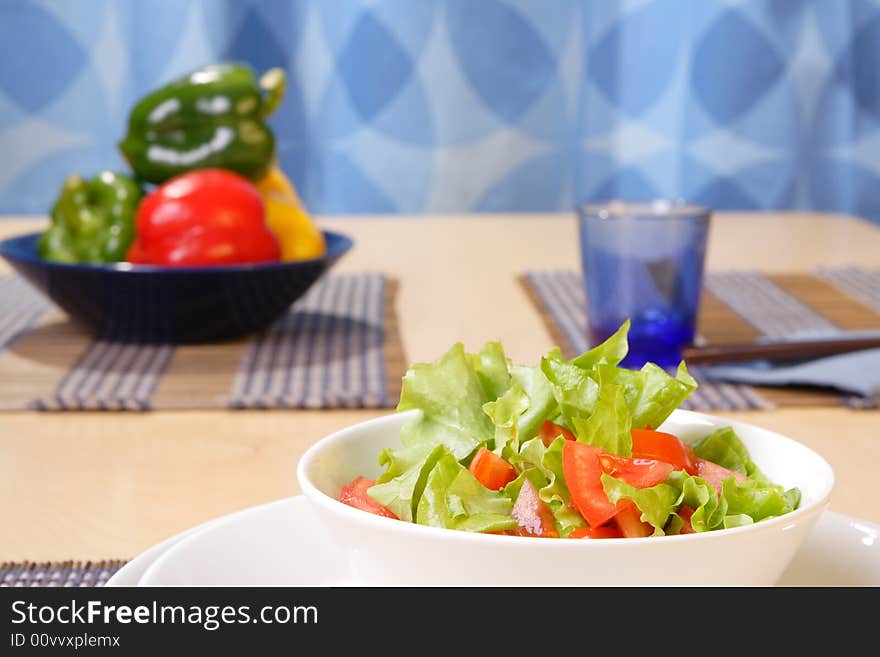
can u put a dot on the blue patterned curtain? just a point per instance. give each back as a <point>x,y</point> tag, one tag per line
<point>476,105</point>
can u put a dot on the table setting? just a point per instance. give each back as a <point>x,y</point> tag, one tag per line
<point>282,332</point>
<point>811,566</point>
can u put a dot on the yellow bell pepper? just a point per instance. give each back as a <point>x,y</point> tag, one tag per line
<point>286,216</point>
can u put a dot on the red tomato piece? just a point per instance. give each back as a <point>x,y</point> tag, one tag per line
<point>714,474</point>
<point>355,494</point>
<point>583,472</point>
<point>491,470</point>
<point>628,520</point>
<point>641,473</point>
<point>550,431</point>
<point>685,513</point>
<point>660,446</point>
<point>532,514</point>
<point>603,531</point>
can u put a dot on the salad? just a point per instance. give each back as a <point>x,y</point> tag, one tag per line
<point>564,449</point>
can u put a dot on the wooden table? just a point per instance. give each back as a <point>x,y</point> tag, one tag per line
<point>109,485</point>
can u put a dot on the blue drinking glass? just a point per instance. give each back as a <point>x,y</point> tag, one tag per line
<point>644,262</point>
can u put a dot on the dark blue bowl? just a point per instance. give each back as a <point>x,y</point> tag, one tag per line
<point>146,303</point>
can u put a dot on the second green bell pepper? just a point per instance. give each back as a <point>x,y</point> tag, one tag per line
<point>92,220</point>
<point>213,117</point>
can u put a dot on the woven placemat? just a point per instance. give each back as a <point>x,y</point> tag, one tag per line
<point>338,346</point>
<point>737,306</point>
<point>58,573</point>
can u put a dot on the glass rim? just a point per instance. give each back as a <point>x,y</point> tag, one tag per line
<point>654,209</point>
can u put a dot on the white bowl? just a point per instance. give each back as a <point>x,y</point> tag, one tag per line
<point>383,551</point>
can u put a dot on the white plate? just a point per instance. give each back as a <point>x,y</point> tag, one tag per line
<point>283,544</point>
<point>130,574</point>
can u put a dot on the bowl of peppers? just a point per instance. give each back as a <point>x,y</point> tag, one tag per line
<point>205,240</point>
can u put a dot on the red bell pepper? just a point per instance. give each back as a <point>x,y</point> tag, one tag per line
<point>204,217</point>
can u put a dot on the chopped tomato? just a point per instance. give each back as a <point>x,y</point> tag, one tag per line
<point>647,444</point>
<point>603,531</point>
<point>714,474</point>
<point>491,470</point>
<point>532,514</point>
<point>685,513</point>
<point>641,473</point>
<point>550,431</point>
<point>583,476</point>
<point>355,494</point>
<point>628,520</point>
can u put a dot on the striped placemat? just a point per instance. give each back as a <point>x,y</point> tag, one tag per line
<point>737,306</point>
<point>58,573</point>
<point>338,346</point>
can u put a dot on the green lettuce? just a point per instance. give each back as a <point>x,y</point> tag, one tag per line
<point>698,494</point>
<point>401,485</point>
<point>758,502</point>
<point>656,503</point>
<point>505,413</point>
<point>454,499</point>
<point>740,503</point>
<point>575,390</point>
<point>651,394</point>
<point>451,397</point>
<point>737,520</point>
<point>492,370</point>
<point>725,448</point>
<point>519,413</point>
<point>534,475</point>
<point>609,425</point>
<point>610,352</point>
<point>758,497</point>
<point>542,401</point>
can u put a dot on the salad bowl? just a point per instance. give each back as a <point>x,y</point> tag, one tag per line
<point>147,303</point>
<point>384,551</point>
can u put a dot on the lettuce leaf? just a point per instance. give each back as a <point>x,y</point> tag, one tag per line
<point>701,496</point>
<point>542,401</point>
<point>454,499</point>
<point>758,502</point>
<point>575,390</point>
<point>738,520</point>
<point>725,448</point>
<point>609,425</point>
<point>451,397</point>
<point>519,413</point>
<point>534,475</point>
<point>758,497</point>
<point>505,413</point>
<point>492,370</point>
<point>651,393</point>
<point>610,352</point>
<point>401,485</point>
<point>740,503</point>
<point>656,503</point>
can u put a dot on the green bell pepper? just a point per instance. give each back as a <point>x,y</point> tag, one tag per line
<point>213,117</point>
<point>92,220</point>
